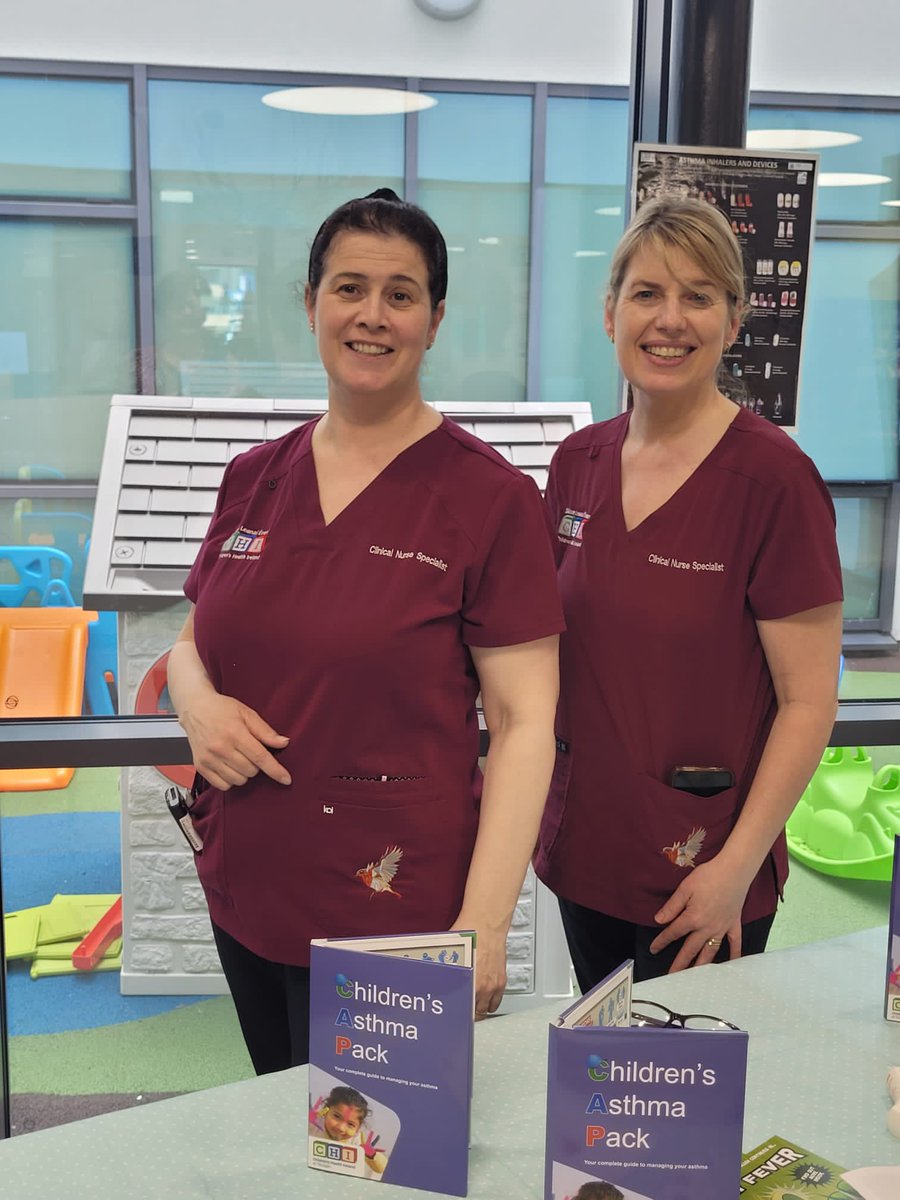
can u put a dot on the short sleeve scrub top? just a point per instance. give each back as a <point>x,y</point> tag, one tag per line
<point>353,639</point>
<point>662,665</point>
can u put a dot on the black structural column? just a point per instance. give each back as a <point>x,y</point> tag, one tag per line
<point>690,78</point>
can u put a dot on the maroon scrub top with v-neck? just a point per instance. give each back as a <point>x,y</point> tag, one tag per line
<point>662,664</point>
<point>353,639</point>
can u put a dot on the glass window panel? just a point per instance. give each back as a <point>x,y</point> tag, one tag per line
<point>474,177</point>
<point>875,152</point>
<point>860,533</point>
<point>239,190</point>
<point>66,342</point>
<point>848,387</point>
<point>65,137</point>
<point>57,522</point>
<point>584,214</point>
<point>67,841</point>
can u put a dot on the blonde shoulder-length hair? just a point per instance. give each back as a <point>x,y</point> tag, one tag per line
<point>696,228</point>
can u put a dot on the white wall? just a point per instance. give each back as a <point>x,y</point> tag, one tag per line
<point>560,40</point>
<point>846,46</point>
<point>798,45</point>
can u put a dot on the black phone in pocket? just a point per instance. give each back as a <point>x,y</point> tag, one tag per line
<point>702,781</point>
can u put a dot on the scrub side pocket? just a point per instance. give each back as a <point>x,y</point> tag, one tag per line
<point>555,807</point>
<point>681,831</point>
<point>208,816</point>
<point>389,857</point>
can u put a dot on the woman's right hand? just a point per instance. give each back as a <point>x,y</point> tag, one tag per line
<point>230,741</point>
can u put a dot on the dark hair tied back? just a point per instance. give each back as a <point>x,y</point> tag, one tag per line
<point>383,212</point>
<point>384,194</point>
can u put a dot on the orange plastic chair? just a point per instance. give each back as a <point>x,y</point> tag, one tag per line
<point>42,656</point>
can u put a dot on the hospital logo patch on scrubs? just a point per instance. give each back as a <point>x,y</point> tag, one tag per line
<point>571,527</point>
<point>378,876</point>
<point>244,543</point>
<point>683,854</point>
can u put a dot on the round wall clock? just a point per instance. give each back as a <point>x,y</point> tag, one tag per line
<point>447,10</point>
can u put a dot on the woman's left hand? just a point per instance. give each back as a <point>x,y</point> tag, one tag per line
<point>704,910</point>
<point>490,967</point>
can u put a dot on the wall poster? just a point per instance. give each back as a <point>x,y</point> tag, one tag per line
<point>769,200</point>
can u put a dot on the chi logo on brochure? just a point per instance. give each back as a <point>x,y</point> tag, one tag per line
<point>334,1152</point>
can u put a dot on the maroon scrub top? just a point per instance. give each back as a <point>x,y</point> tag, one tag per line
<point>353,639</point>
<point>662,665</point>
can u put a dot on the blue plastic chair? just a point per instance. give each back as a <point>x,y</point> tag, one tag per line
<point>101,665</point>
<point>66,531</point>
<point>44,574</point>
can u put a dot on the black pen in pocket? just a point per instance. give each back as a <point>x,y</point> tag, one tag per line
<point>177,803</point>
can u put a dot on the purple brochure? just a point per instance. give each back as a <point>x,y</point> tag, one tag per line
<point>655,1113</point>
<point>390,1043</point>
<point>892,985</point>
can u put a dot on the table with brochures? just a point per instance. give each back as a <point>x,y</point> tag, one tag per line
<point>819,1051</point>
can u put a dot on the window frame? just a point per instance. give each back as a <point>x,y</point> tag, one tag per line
<point>137,211</point>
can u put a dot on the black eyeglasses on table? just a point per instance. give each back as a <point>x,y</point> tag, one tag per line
<point>648,1012</point>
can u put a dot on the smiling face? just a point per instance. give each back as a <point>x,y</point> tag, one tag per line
<point>341,1122</point>
<point>671,324</point>
<point>373,316</point>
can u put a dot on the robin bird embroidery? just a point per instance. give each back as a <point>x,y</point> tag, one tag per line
<point>378,876</point>
<point>682,854</point>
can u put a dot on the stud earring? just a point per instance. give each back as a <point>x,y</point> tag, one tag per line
<point>312,327</point>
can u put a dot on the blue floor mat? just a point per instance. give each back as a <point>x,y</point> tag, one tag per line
<point>72,853</point>
<point>61,1003</point>
<point>58,852</point>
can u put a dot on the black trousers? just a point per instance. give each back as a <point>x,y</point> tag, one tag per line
<point>598,944</point>
<point>272,1004</point>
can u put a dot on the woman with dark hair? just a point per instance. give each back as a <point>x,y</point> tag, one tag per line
<point>701,586</point>
<point>362,578</point>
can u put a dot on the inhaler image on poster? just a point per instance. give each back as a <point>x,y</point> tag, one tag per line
<point>567,1182</point>
<point>346,1156</point>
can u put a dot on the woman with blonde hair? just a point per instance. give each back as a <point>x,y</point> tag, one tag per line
<point>701,585</point>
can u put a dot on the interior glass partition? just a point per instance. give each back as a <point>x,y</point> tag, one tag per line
<point>585,211</point>
<point>65,138</point>
<point>78,1046</point>
<point>858,148</point>
<point>238,192</point>
<point>67,318</point>
<point>474,155</point>
<point>848,406</point>
<point>848,415</point>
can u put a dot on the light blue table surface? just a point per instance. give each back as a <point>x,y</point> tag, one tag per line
<point>819,1053</point>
